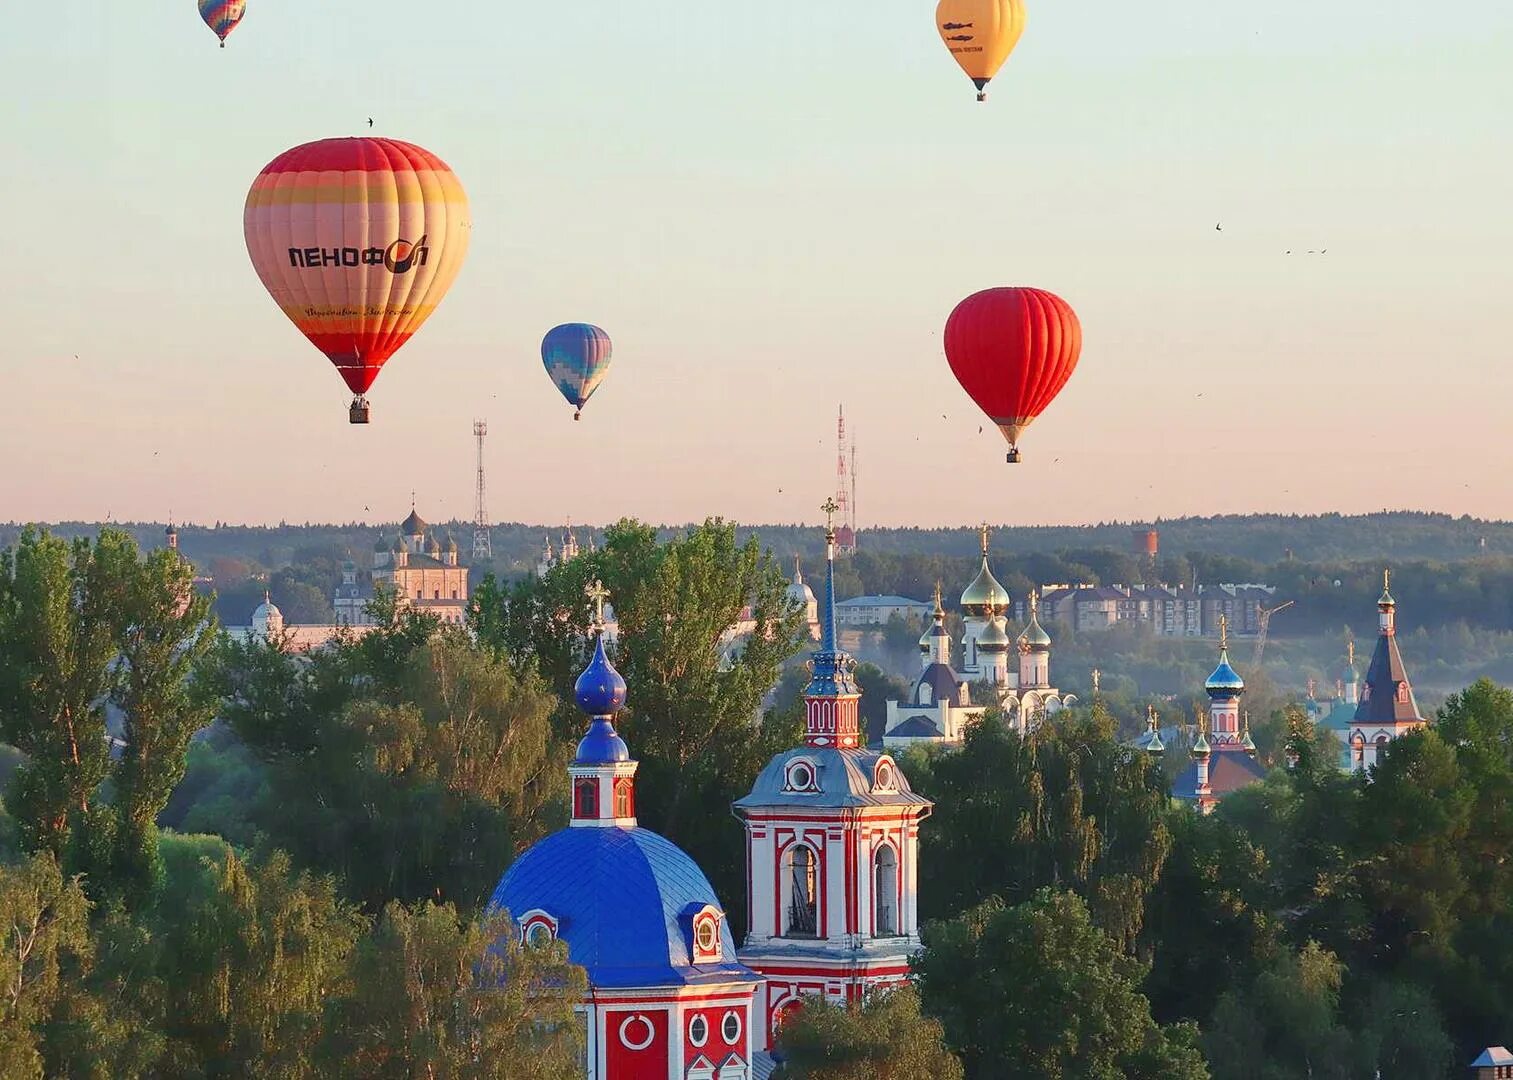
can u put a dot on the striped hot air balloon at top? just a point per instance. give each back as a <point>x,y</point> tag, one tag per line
<point>222,16</point>
<point>577,357</point>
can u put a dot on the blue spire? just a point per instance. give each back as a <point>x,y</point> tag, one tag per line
<point>830,667</point>
<point>600,692</point>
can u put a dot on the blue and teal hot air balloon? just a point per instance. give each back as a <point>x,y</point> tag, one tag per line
<point>576,356</point>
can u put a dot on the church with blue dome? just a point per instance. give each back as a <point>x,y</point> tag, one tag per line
<point>667,996</point>
<point>1223,754</point>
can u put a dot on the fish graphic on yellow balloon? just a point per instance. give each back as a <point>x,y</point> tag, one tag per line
<point>995,28</point>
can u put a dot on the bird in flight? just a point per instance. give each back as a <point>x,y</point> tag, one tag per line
<point>1218,226</point>
<point>370,121</point>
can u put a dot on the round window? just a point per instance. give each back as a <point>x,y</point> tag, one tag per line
<point>730,1027</point>
<point>538,935</point>
<point>707,936</point>
<point>800,777</point>
<point>885,775</point>
<point>698,1030</point>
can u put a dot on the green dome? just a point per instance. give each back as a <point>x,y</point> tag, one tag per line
<point>381,544</point>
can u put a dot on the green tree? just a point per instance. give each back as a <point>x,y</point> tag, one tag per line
<point>244,957</point>
<point>437,996</point>
<point>84,628</point>
<point>1038,990</point>
<point>885,1037</point>
<point>1284,1025</point>
<point>1207,923</point>
<point>46,921</point>
<point>1071,805</point>
<point>409,762</point>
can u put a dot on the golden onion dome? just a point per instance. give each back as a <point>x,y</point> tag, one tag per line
<point>994,637</point>
<point>1034,638</point>
<point>985,596</point>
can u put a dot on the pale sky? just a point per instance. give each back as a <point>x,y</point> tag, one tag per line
<point>772,208</point>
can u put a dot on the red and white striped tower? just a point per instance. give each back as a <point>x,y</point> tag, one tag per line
<point>832,838</point>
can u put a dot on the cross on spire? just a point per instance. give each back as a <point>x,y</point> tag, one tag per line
<point>983,534</point>
<point>829,506</point>
<point>598,594</point>
<point>1223,632</point>
<point>1097,680</point>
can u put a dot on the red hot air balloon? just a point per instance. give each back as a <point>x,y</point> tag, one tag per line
<point>1013,350</point>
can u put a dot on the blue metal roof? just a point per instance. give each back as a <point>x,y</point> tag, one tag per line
<point>619,896</point>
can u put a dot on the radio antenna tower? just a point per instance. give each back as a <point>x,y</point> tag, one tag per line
<point>482,548</point>
<point>845,536</point>
<point>851,506</point>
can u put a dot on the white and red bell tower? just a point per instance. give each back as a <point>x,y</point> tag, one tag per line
<point>832,840</point>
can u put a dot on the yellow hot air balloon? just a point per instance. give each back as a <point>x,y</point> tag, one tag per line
<point>980,35</point>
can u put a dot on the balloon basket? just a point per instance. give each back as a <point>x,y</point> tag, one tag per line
<point>577,414</point>
<point>1013,456</point>
<point>358,412</point>
<point>981,96</point>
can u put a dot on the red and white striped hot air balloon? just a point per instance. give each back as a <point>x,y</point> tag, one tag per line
<point>357,240</point>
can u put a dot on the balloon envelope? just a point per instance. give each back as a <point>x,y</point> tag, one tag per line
<point>980,34</point>
<point>357,240</point>
<point>222,15</point>
<point>577,358</point>
<point>1013,350</point>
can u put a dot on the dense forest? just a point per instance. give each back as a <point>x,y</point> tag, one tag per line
<point>1447,571</point>
<point>220,858</point>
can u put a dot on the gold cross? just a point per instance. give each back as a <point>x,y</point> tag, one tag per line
<point>1223,632</point>
<point>1097,679</point>
<point>830,507</point>
<point>598,594</point>
<point>983,532</point>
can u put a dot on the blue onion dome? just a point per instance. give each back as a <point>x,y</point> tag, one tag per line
<point>1225,681</point>
<point>600,692</point>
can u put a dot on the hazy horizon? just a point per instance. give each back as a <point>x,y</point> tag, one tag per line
<point>773,211</point>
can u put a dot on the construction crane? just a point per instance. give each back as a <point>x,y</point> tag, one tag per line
<point>1263,623</point>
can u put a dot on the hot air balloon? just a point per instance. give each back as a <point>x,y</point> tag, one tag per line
<point>222,16</point>
<point>980,35</point>
<point>576,356</point>
<point>357,240</point>
<point>1013,350</point>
